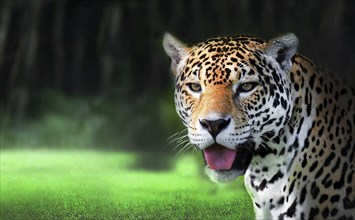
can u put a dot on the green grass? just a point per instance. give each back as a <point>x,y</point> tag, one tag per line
<point>49,184</point>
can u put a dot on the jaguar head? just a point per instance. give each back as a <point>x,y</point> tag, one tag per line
<point>233,94</point>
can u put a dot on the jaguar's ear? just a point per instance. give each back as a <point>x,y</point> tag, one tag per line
<point>282,49</point>
<point>176,50</point>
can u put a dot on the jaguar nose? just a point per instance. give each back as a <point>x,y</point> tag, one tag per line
<point>214,127</point>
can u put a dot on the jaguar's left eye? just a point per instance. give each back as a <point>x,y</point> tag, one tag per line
<point>246,87</point>
<point>194,87</point>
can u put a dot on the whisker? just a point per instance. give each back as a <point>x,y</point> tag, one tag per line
<point>248,148</point>
<point>176,134</point>
<point>178,138</point>
<point>181,144</point>
<point>184,148</point>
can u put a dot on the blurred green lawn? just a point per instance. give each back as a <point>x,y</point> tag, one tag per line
<point>85,184</point>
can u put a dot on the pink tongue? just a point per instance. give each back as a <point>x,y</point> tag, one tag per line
<point>219,157</point>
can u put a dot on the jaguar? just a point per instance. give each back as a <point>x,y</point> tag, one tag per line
<point>257,108</point>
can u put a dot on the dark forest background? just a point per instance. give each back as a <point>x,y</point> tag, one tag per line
<point>93,74</point>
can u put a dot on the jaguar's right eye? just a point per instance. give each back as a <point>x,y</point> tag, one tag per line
<point>194,87</point>
<point>246,87</point>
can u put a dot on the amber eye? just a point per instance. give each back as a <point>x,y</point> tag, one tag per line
<point>246,87</point>
<point>194,87</point>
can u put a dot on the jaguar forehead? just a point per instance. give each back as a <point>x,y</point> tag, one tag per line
<point>215,61</point>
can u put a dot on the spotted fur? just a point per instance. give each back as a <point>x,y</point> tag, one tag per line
<point>291,124</point>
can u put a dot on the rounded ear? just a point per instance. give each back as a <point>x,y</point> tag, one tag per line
<point>176,50</point>
<point>282,49</point>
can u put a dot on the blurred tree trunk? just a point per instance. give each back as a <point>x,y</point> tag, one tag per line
<point>153,58</point>
<point>23,70</point>
<point>108,37</point>
<point>332,18</point>
<point>59,52</point>
<point>332,23</point>
<point>6,7</point>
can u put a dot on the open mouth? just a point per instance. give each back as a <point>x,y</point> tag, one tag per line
<point>220,158</point>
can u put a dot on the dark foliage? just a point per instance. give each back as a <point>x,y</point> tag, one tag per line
<point>112,51</point>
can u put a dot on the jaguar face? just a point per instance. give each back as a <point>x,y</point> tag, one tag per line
<point>226,94</point>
